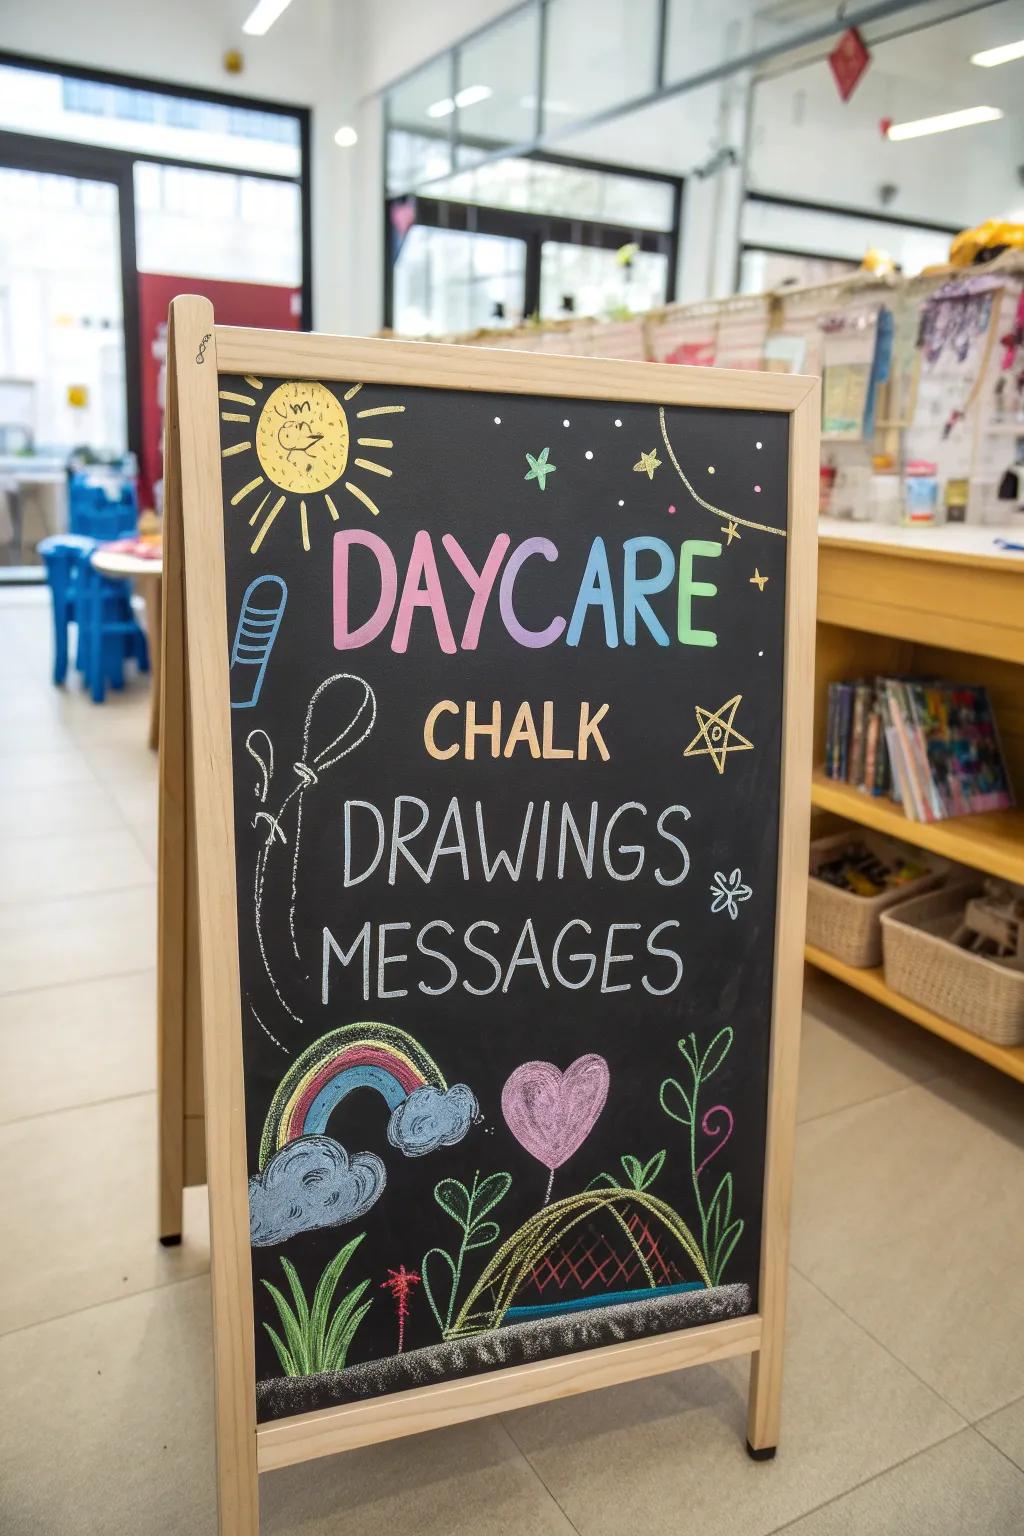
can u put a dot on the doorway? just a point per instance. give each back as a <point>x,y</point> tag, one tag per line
<point>67,276</point>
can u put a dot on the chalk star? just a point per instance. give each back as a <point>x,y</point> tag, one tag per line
<point>731,531</point>
<point>715,730</point>
<point>758,580</point>
<point>539,467</point>
<point>649,462</point>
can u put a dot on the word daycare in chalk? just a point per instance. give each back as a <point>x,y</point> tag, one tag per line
<point>643,586</point>
<point>614,590</point>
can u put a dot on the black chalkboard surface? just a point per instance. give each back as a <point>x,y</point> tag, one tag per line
<point>506,684</point>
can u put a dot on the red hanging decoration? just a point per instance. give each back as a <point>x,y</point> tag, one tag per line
<point>849,59</point>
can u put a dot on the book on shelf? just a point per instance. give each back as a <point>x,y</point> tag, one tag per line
<point>931,745</point>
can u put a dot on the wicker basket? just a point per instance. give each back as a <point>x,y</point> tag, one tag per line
<point>970,990</point>
<point>846,925</point>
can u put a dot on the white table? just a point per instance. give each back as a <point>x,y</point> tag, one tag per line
<point>148,573</point>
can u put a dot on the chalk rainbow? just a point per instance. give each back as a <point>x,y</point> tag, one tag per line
<point>356,1056</point>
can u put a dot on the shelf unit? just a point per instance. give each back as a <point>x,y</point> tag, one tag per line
<point>935,610</point>
<point>992,842</point>
<point>871,982</point>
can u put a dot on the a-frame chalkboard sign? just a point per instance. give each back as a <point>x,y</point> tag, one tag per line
<point>487,735</point>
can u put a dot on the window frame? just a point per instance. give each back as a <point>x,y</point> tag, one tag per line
<point>100,162</point>
<point>536,228</point>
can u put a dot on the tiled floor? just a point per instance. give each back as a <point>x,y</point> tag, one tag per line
<point>904,1401</point>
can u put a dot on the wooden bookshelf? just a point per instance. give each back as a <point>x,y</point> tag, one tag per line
<point>941,603</point>
<point>872,983</point>
<point>992,841</point>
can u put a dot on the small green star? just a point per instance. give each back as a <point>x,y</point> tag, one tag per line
<point>539,467</point>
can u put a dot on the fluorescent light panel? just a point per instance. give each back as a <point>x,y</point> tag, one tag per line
<point>263,15</point>
<point>988,58</point>
<point>469,96</point>
<point>944,123</point>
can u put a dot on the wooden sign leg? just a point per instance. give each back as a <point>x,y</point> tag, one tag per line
<point>764,1410</point>
<point>172,857</point>
<point>192,375</point>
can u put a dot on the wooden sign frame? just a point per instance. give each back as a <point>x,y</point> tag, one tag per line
<point>199,969</point>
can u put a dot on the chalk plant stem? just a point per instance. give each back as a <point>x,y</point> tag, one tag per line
<point>462,1256</point>
<point>551,1181</point>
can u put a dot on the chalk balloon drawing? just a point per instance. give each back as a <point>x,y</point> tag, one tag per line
<point>339,717</point>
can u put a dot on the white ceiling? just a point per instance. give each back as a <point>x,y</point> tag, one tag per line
<point>807,143</point>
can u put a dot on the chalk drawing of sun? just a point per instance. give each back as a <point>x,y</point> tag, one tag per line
<point>302,443</point>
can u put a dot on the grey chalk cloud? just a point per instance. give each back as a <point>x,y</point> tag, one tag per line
<point>312,1182</point>
<point>430,1118</point>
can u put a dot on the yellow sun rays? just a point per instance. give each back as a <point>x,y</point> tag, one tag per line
<point>275,509</point>
<point>360,495</point>
<point>253,485</point>
<point>306,442</point>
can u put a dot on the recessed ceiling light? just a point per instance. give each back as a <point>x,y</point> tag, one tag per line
<point>472,95</point>
<point>469,96</point>
<point>346,136</point>
<point>944,123</point>
<point>988,58</point>
<point>263,15</point>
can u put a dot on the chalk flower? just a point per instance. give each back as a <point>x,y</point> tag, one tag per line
<point>726,893</point>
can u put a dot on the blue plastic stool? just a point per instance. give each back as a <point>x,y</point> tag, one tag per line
<point>108,631</point>
<point>96,514</point>
<point>65,555</point>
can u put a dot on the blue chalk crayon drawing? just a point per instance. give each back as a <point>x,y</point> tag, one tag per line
<point>258,624</point>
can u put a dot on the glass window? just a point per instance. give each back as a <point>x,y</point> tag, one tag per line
<point>423,102</point>
<point>598,53</point>
<point>217,224</point>
<point>61,345</point>
<point>415,158</point>
<point>587,280</point>
<point>91,112</point>
<point>568,191</point>
<point>703,34</point>
<point>496,95</point>
<point>823,232</point>
<point>448,281</point>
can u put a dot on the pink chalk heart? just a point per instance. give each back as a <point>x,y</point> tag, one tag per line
<point>552,1113</point>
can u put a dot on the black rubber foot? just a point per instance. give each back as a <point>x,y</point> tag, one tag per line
<point>767,1453</point>
<point>172,1241</point>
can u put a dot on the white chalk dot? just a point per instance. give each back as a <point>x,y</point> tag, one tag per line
<point>618,423</point>
<point>757,487</point>
<point>711,469</point>
<point>588,454</point>
<point>760,653</point>
<point>622,503</point>
<point>565,423</point>
<point>497,421</point>
<point>757,445</point>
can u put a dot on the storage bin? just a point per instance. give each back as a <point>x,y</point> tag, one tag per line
<point>922,964</point>
<point>845,925</point>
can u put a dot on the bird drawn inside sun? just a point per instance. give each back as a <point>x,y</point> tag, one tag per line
<point>302,445</point>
